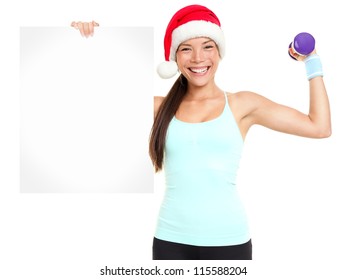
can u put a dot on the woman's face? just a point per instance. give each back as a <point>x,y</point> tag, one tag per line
<point>198,60</point>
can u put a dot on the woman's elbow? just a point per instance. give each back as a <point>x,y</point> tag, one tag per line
<point>323,133</point>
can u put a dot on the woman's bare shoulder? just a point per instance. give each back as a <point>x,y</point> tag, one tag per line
<point>243,102</point>
<point>245,94</point>
<point>244,98</point>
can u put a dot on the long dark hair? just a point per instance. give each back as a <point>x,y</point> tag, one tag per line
<point>166,112</point>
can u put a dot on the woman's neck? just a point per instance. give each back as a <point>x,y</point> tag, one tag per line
<point>201,93</point>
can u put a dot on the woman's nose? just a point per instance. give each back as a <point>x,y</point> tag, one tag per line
<point>197,56</point>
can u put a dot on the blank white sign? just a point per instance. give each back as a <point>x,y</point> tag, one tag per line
<point>86,110</point>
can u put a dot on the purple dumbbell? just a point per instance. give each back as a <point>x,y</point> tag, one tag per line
<point>303,44</point>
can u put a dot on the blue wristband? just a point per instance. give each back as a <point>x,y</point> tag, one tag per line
<point>313,66</point>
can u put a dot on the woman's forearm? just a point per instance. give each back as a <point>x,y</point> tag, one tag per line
<point>319,111</point>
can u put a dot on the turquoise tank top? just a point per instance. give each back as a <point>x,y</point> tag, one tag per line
<point>201,205</point>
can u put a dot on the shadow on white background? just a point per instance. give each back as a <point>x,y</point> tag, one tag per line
<point>86,110</point>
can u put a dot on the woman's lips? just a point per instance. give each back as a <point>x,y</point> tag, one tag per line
<point>199,70</point>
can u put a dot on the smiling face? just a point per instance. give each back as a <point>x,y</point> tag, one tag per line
<point>198,60</point>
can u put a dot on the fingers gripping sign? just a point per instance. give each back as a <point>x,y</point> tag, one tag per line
<point>86,28</point>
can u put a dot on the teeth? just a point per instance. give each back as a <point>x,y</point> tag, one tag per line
<point>199,70</point>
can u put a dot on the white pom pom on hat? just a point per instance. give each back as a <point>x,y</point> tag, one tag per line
<point>192,21</point>
<point>167,69</point>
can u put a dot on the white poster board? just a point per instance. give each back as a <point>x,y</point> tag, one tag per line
<point>86,110</point>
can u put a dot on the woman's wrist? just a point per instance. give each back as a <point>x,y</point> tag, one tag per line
<point>313,66</point>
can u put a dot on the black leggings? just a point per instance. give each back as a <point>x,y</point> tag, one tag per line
<point>165,250</point>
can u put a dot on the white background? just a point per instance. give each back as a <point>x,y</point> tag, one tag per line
<point>293,187</point>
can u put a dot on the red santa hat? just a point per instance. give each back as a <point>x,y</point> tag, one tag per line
<point>192,21</point>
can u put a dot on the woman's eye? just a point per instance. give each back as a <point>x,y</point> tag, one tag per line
<point>185,49</point>
<point>209,47</point>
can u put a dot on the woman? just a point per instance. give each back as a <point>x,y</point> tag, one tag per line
<point>198,135</point>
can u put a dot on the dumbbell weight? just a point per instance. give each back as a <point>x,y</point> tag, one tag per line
<point>303,44</point>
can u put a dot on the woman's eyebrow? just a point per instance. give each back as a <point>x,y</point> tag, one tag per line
<point>185,44</point>
<point>210,40</point>
<point>203,43</point>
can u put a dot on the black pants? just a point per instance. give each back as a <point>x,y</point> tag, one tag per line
<point>165,250</point>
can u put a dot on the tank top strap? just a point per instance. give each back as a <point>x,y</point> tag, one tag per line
<point>226,96</point>
<point>226,107</point>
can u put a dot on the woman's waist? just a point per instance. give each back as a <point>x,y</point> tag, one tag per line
<point>194,176</point>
